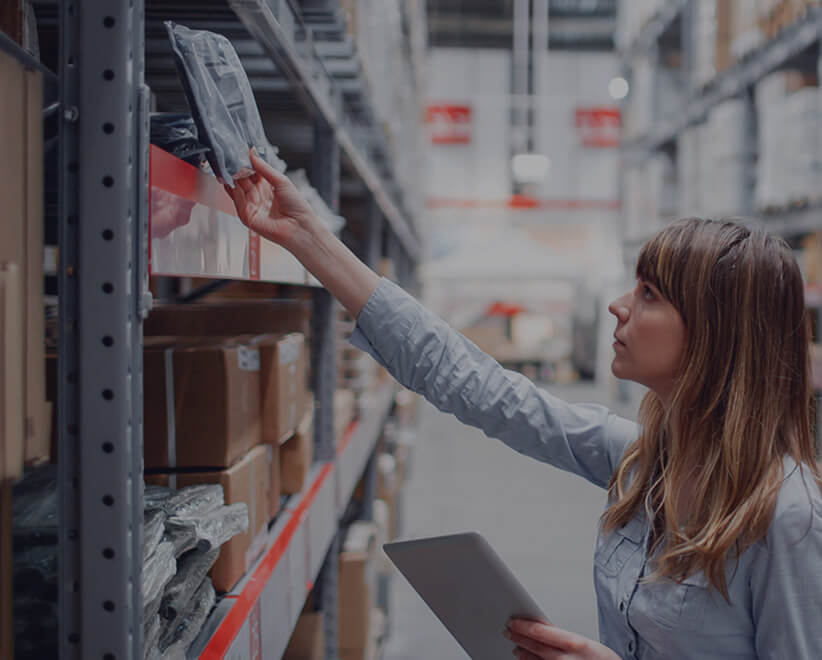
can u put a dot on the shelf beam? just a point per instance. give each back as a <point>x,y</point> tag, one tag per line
<point>731,83</point>
<point>314,85</point>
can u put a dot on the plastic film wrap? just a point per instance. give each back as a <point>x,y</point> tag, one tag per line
<point>215,527</point>
<point>194,501</point>
<point>176,639</point>
<point>153,527</point>
<point>221,101</point>
<point>158,570</point>
<point>191,570</point>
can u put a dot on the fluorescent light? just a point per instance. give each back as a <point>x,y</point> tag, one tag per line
<point>530,168</point>
<point>618,88</point>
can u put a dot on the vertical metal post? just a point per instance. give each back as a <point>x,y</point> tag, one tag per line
<point>100,586</point>
<point>328,585</point>
<point>751,151</point>
<point>374,222</point>
<point>325,172</point>
<point>369,478</point>
<point>67,364</point>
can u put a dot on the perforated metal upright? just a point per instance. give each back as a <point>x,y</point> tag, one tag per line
<point>325,175</point>
<point>103,164</point>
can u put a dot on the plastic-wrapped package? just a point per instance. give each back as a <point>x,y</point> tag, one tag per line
<point>194,501</point>
<point>176,133</point>
<point>191,570</point>
<point>35,500</point>
<point>155,497</point>
<point>215,527</point>
<point>184,539</point>
<point>176,639</point>
<point>220,98</point>
<point>152,628</point>
<point>158,569</point>
<point>153,527</point>
<point>152,608</point>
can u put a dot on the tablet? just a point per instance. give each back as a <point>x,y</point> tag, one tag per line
<point>469,588</point>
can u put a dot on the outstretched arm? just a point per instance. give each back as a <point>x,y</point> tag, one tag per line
<point>270,204</point>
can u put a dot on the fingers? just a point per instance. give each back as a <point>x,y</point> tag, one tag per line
<point>532,647</point>
<point>271,175</point>
<point>238,196</point>
<point>250,190</point>
<point>547,634</point>
<point>524,654</point>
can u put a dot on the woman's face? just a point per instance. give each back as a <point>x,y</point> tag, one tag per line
<point>650,337</point>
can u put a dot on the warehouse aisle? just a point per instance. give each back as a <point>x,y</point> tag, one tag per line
<point>542,521</point>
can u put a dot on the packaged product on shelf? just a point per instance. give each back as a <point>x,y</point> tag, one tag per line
<point>178,636</point>
<point>191,571</point>
<point>158,569</point>
<point>151,636</point>
<point>356,585</point>
<point>345,411</point>
<point>229,319</point>
<point>211,529</point>
<point>21,245</point>
<point>221,101</point>
<point>297,456</point>
<point>245,485</point>
<point>201,403</point>
<point>194,501</point>
<point>153,528</point>
<point>176,133</point>
<point>272,456</point>
<point>283,386</point>
<point>308,639</point>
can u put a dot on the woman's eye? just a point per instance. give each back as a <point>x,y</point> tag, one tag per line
<point>647,293</point>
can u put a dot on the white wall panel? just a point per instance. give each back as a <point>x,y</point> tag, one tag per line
<point>480,78</point>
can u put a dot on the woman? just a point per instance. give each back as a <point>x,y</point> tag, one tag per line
<point>711,546</point>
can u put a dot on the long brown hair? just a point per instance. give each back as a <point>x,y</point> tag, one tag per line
<point>741,403</point>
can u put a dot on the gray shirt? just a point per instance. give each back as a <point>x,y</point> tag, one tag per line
<point>775,587</point>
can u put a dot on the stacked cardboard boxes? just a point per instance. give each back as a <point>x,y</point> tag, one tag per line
<point>359,626</point>
<point>21,269</point>
<point>216,411</point>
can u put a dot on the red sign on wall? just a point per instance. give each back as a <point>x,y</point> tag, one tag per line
<point>449,124</point>
<point>599,127</point>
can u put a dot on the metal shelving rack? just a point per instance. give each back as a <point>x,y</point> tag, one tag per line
<point>735,82</point>
<point>105,174</point>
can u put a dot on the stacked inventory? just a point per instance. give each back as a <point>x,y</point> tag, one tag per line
<point>251,450</point>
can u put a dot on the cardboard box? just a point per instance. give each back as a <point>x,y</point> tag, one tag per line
<point>214,392</point>
<point>274,480</point>
<point>230,319</point>
<point>21,233</point>
<point>283,384</point>
<point>11,374</point>
<point>297,456</point>
<point>245,481</point>
<point>345,411</point>
<point>308,639</point>
<point>357,586</point>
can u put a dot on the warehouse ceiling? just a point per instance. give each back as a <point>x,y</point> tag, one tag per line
<point>573,24</point>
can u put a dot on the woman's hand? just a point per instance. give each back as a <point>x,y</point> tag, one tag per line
<point>270,204</point>
<point>542,640</point>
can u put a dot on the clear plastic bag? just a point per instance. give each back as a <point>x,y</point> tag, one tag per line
<point>177,637</point>
<point>191,570</point>
<point>35,501</point>
<point>176,133</point>
<point>153,528</point>
<point>155,497</point>
<point>215,527</point>
<point>152,628</point>
<point>194,501</point>
<point>221,101</point>
<point>158,569</point>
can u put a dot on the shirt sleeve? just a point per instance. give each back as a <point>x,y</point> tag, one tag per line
<point>786,580</point>
<point>429,357</point>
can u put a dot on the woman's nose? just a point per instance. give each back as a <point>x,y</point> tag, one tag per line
<point>620,307</point>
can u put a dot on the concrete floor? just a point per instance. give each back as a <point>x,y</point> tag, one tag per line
<point>540,520</point>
